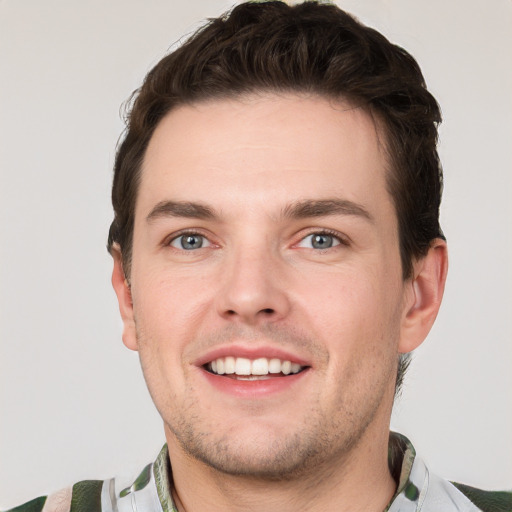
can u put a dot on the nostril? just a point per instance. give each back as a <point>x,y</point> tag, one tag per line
<point>263,313</point>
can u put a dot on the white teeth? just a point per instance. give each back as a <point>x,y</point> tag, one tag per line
<point>242,366</point>
<point>229,365</point>
<point>258,367</point>
<point>274,366</point>
<point>295,368</point>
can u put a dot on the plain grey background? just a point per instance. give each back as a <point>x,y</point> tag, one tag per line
<point>73,404</point>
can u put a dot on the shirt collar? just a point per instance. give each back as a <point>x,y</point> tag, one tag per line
<point>163,479</point>
<point>401,458</point>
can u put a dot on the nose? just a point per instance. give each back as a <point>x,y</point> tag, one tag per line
<point>253,289</point>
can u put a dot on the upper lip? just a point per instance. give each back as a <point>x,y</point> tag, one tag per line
<point>253,352</point>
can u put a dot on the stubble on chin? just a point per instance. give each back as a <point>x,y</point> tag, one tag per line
<point>319,445</point>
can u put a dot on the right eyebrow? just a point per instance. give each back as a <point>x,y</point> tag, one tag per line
<point>324,207</point>
<point>181,209</point>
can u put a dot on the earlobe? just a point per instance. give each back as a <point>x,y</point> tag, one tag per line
<point>425,296</point>
<point>124,299</point>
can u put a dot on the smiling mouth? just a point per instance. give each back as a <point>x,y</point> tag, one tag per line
<point>242,368</point>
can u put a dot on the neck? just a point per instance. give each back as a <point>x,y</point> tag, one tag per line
<point>355,481</point>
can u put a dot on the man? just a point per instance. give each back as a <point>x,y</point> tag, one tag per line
<point>277,254</point>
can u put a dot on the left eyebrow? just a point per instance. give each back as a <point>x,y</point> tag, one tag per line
<point>325,207</point>
<point>181,209</point>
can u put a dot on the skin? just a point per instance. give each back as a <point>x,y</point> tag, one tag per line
<point>258,285</point>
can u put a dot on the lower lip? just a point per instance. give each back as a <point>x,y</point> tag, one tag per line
<point>253,388</point>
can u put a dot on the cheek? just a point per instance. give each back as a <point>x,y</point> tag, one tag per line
<point>339,299</point>
<point>166,311</point>
<point>355,312</point>
<point>171,301</point>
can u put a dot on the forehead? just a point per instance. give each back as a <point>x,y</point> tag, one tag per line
<point>264,149</point>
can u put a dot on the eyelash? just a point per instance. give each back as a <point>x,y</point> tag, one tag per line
<point>175,236</point>
<point>326,232</point>
<point>322,232</point>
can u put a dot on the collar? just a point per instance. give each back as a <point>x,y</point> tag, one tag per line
<point>407,470</point>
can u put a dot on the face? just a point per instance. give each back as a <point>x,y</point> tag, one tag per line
<point>267,300</point>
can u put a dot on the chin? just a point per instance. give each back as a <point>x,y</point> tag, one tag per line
<point>276,461</point>
<point>265,455</point>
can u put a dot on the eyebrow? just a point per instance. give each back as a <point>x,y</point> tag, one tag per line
<point>324,207</point>
<point>181,209</point>
<point>308,208</point>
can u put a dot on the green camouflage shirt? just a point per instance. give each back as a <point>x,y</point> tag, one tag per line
<point>418,490</point>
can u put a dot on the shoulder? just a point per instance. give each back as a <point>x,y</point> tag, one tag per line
<point>437,494</point>
<point>421,489</point>
<point>83,496</point>
<point>148,492</point>
<point>487,501</point>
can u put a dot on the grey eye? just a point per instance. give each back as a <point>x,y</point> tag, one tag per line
<point>322,241</point>
<point>319,241</point>
<point>189,242</point>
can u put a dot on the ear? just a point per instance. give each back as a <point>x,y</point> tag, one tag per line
<point>424,295</point>
<point>124,298</point>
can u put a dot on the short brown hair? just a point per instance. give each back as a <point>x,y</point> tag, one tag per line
<point>313,48</point>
